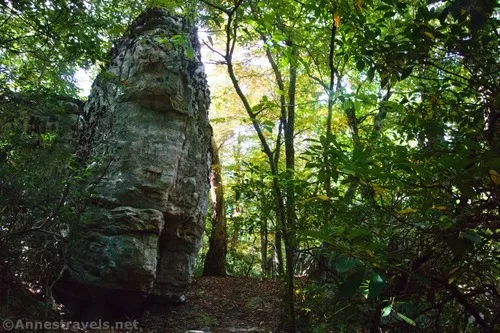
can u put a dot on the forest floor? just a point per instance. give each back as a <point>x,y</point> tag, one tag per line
<point>220,305</point>
<point>215,305</point>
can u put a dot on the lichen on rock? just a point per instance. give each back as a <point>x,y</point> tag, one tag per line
<point>146,123</point>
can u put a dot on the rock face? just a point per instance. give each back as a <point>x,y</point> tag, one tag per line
<point>146,125</point>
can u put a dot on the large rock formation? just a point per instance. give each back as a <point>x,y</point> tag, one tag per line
<point>145,124</point>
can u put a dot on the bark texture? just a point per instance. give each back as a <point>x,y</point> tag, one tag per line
<point>146,125</point>
<point>215,260</point>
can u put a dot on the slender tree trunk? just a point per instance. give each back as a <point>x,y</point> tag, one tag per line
<point>235,235</point>
<point>290,150</point>
<point>263,251</point>
<point>263,242</point>
<point>289,229</point>
<point>237,211</point>
<point>331,101</point>
<point>278,245</point>
<point>215,260</point>
<point>231,35</point>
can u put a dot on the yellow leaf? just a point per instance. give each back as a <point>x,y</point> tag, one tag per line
<point>407,211</point>
<point>429,34</point>
<point>377,189</point>
<point>336,19</point>
<point>323,197</point>
<point>452,276</point>
<point>450,273</point>
<point>495,177</point>
<point>370,253</point>
<point>440,207</point>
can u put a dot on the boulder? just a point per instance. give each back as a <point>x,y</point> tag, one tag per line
<point>146,136</point>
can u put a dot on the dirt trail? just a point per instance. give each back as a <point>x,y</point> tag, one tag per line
<point>220,305</point>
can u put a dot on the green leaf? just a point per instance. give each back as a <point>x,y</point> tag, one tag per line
<point>367,98</point>
<point>277,37</point>
<point>376,285</point>
<point>360,65</point>
<point>348,171</point>
<point>338,229</point>
<point>268,125</point>
<point>429,34</point>
<point>344,264</point>
<point>351,285</point>
<point>495,177</point>
<point>392,105</point>
<point>319,235</point>
<point>459,245</point>
<point>384,8</point>
<point>473,236</point>
<point>162,40</point>
<point>359,233</point>
<point>357,106</point>
<point>405,318</point>
<point>257,107</point>
<point>178,39</point>
<point>190,52</point>
<point>406,72</point>
<point>370,74</point>
<point>386,311</point>
<point>494,163</point>
<point>384,79</point>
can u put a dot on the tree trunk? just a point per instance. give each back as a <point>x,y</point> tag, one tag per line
<point>331,102</point>
<point>279,252</point>
<point>263,243</point>
<point>215,260</point>
<point>281,210</point>
<point>289,228</point>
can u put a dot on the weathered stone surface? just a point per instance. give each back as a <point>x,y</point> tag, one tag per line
<point>146,123</point>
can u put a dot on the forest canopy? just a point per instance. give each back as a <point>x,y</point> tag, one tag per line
<point>358,145</point>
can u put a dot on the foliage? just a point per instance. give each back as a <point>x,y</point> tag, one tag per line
<point>413,163</point>
<point>40,190</point>
<point>41,180</point>
<point>374,122</point>
<point>46,41</point>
